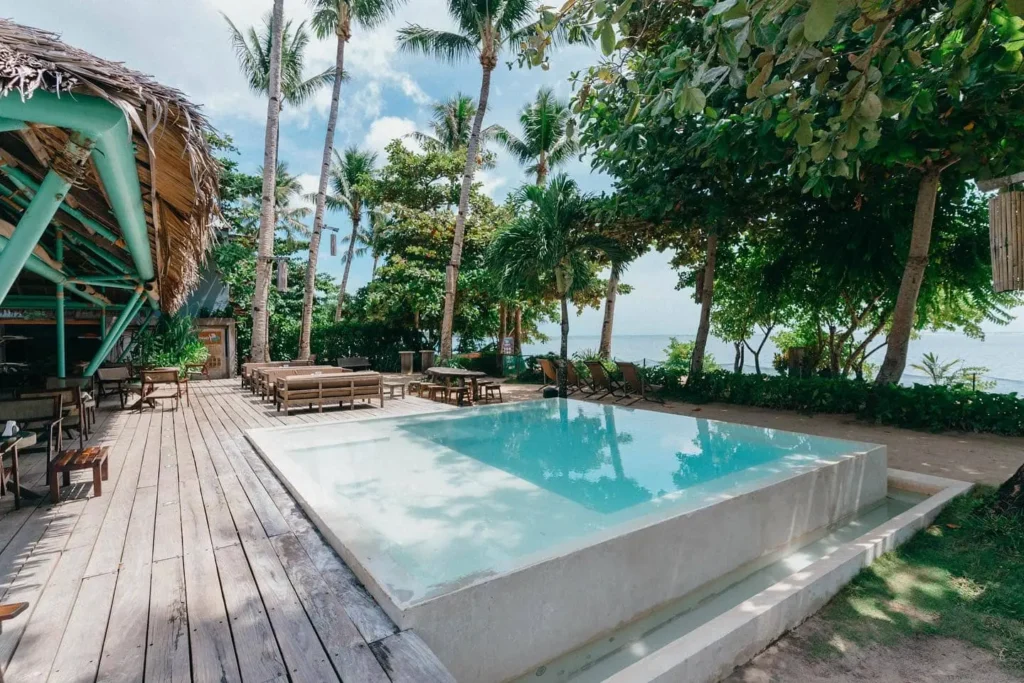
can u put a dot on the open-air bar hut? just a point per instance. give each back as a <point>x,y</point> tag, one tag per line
<point>107,190</point>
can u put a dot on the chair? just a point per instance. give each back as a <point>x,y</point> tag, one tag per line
<point>354,363</point>
<point>201,369</point>
<point>73,405</point>
<point>574,381</point>
<point>601,380</point>
<point>42,416</point>
<point>162,384</point>
<point>547,366</point>
<point>113,380</point>
<point>634,385</point>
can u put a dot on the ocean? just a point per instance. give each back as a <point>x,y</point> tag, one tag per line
<point>1000,352</point>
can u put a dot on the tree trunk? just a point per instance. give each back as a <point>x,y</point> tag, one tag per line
<point>737,361</point>
<point>706,296</point>
<point>917,260</point>
<point>542,169</point>
<point>563,376</point>
<point>1010,496</point>
<point>451,281</point>
<point>605,348</point>
<point>517,334</point>
<point>373,272</point>
<point>321,194</point>
<point>348,262</point>
<point>258,351</point>
<point>502,329</point>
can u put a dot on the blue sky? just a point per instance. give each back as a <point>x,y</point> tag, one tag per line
<point>185,44</point>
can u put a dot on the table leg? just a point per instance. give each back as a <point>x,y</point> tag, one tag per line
<point>17,478</point>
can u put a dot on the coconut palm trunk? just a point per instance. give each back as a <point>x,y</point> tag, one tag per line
<point>517,333</point>
<point>563,376</point>
<point>913,275</point>
<point>605,348</point>
<point>321,193</point>
<point>706,299</point>
<point>1010,496</point>
<point>258,350</point>
<point>348,265</point>
<point>488,60</point>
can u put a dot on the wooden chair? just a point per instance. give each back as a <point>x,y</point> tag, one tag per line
<point>113,380</point>
<point>601,380</point>
<point>10,475</point>
<point>547,366</point>
<point>161,384</point>
<point>633,384</point>
<point>201,369</point>
<point>490,390</point>
<point>41,416</point>
<point>73,405</point>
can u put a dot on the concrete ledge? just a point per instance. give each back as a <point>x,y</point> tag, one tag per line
<point>712,651</point>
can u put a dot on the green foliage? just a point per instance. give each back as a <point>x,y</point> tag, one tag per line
<point>927,407</point>
<point>171,343</point>
<point>963,577</point>
<point>953,373</point>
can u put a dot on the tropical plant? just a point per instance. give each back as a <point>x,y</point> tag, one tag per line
<point>450,127</point>
<point>485,28</point>
<point>552,246</point>
<point>171,343</point>
<point>548,135</point>
<point>333,18</point>
<point>953,373</point>
<point>347,172</point>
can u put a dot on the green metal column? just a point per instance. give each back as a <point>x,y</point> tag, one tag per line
<point>138,337</point>
<point>61,355</point>
<point>37,216</point>
<point>115,333</point>
<point>103,323</point>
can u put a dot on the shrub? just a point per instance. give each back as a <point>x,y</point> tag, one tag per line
<point>930,407</point>
<point>173,342</point>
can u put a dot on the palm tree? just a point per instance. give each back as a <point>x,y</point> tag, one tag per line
<point>486,26</point>
<point>333,18</point>
<point>552,243</point>
<point>272,62</point>
<point>451,126</point>
<point>549,137</point>
<point>287,189</point>
<point>347,171</point>
<point>604,349</point>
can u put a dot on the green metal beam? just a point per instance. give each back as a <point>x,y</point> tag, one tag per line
<point>18,249</point>
<point>107,125</point>
<point>43,269</point>
<point>136,338</point>
<point>119,327</point>
<point>61,348</point>
<point>118,265</point>
<point>25,182</point>
<point>10,124</point>
<point>17,302</point>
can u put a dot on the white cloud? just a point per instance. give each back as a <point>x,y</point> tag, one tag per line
<point>489,182</point>
<point>384,130</point>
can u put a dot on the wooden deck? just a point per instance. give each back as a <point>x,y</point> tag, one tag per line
<point>194,565</point>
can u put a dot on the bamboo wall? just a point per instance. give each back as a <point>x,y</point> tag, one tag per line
<point>1006,235</point>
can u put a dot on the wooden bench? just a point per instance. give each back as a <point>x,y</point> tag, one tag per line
<point>354,363</point>
<point>247,368</point>
<point>264,380</point>
<point>328,388</point>
<point>94,458</point>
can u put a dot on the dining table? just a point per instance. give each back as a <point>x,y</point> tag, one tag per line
<point>461,375</point>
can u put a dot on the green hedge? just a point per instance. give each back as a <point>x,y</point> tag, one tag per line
<point>934,408</point>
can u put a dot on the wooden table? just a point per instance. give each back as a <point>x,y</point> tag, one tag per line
<point>448,374</point>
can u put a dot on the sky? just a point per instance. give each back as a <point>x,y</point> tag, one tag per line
<point>186,44</point>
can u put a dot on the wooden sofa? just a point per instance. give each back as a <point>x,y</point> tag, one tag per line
<point>247,368</point>
<point>307,390</point>
<point>264,380</point>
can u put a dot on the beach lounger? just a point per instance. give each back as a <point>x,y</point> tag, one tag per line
<point>634,385</point>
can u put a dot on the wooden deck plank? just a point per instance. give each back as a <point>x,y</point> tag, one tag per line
<point>124,651</point>
<point>259,658</point>
<point>33,658</point>
<point>78,655</point>
<point>350,654</point>
<point>218,516</point>
<point>149,471</point>
<point>303,653</point>
<point>167,653</point>
<point>167,542</point>
<point>27,586</point>
<point>407,659</point>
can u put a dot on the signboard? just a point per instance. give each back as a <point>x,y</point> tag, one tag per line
<point>508,346</point>
<point>213,339</point>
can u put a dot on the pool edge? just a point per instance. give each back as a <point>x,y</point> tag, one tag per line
<point>710,652</point>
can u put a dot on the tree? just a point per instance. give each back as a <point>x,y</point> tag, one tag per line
<point>450,127</point>
<point>553,244</point>
<point>348,171</point>
<point>287,189</point>
<point>333,18</point>
<point>548,138</point>
<point>486,27</point>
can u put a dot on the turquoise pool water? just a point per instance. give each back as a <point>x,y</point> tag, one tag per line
<point>433,502</point>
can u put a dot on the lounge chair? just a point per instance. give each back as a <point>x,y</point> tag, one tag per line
<point>547,366</point>
<point>574,381</point>
<point>634,385</point>
<point>329,388</point>
<point>602,381</point>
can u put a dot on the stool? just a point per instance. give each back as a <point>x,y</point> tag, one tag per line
<point>433,390</point>
<point>391,386</point>
<point>490,390</point>
<point>94,458</point>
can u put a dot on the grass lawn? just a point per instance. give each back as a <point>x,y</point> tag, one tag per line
<point>961,578</point>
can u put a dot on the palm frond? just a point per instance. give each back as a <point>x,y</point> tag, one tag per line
<point>443,45</point>
<point>523,153</point>
<point>302,91</point>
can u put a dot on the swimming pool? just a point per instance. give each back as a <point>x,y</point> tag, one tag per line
<point>504,533</point>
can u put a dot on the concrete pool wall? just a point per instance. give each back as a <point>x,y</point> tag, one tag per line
<point>502,625</point>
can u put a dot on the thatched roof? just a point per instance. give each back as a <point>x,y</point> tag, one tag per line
<point>169,134</point>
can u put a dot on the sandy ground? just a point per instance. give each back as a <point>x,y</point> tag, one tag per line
<point>913,660</point>
<point>979,458</point>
